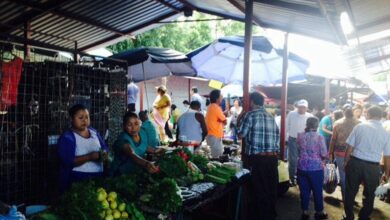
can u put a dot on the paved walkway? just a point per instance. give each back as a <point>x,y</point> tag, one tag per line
<point>288,206</point>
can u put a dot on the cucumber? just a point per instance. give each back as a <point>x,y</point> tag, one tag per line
<point>230,170</point>
<point>215,179</point>
<point>221,173</point>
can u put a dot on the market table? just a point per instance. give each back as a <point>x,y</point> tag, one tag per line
<point>204,199</point>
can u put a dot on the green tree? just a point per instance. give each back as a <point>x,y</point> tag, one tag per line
<point>184,36</point>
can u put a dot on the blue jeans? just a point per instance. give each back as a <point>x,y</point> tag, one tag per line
<point>292,157</point>
<point>327,142</point>
<point>311,181</point>
<point>340,167</point>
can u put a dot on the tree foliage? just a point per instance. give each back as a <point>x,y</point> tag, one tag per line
<point>184,36</point>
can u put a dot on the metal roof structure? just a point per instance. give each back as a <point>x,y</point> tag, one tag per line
<point>315,18</point>
<point>369,41</point>
<point>80,25</point>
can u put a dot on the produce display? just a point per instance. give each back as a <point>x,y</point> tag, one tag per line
<point>114,208</point>
<point>182,176</point>
<point>80,203</point>
<point>164,196</point>
<point>220,174</point>
<point>201,162</point>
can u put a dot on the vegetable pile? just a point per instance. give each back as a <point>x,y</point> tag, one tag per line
<point>163,195</point>
<point>173,166</point>
<point>125,196</point>
<point>80,202</point>
<point>114,208</point>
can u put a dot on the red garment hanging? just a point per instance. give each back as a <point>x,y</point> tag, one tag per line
<point>10,77</point>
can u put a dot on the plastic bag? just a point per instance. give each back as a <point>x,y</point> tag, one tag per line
<point>383,189</point>
<point>283,171</point>
<point>331,178</point>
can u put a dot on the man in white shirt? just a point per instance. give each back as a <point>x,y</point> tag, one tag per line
<point>196,97</point>
<point>132,95</point>
<point>296,123</point>
<point>366,144</point>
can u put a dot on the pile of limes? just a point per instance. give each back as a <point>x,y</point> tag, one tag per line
<point>113,208</point>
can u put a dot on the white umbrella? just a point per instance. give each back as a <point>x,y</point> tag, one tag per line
<point>232,90</point>
<point>223,61</point>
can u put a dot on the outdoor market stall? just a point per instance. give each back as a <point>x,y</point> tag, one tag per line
<point>185,183</point>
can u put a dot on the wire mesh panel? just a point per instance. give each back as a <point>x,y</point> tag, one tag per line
<point>118,92</point>
<point>34,107</point>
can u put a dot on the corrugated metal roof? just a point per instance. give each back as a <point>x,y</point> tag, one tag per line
<point>370,16</point>
<point>370,54</point>
<point>305,17</point>
<point>87,22</point>
<point>94,22</point>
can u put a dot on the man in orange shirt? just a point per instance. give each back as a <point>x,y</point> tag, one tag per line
<point>215,120</point>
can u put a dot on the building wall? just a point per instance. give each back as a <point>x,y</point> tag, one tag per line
<point>177,89</point>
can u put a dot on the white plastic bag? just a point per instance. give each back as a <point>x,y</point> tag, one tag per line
<point>331,178</point>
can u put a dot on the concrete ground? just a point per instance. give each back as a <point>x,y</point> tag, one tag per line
<point>288,206</point>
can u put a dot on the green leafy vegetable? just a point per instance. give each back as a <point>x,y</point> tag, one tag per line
<point>201,162</point>
<point>134,213</point>
<point>124,185</point>
<point>80,202</point>
<point>165,196</point>
<point>173,166</point>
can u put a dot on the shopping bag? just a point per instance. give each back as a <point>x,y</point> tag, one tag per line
<point>331,179</point>
<point>383,190</point>
<point>283,171</point>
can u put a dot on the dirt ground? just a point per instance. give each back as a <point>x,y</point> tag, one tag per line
<point>288,206</point>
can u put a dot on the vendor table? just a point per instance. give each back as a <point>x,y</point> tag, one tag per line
<point>207,198</point>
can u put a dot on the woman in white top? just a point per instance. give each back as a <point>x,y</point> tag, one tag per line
<point>81,150</point>
<point>235,111</point>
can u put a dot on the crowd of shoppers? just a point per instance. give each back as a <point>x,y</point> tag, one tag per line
<point>355,137</point>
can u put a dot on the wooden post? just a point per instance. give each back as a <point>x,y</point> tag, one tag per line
<point>27,36</point>
<point>246,83</point>
<point>75,54</point>
<point>247,52</point>
<point>284,98</point>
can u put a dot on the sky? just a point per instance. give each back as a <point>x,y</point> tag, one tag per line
<point>325,58</point>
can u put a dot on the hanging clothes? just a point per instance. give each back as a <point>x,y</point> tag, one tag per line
<point>11,73</point>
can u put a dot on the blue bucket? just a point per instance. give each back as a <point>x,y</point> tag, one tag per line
<point>35,209</point>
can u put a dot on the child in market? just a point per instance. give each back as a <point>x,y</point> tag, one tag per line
<point>81,150</point>
<point>312,152</point>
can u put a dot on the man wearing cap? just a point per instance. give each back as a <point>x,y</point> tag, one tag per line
<point>366,144</point>
<point>296,123</point>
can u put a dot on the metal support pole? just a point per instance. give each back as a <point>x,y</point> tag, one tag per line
<point>27,36</point>
<point>247,52</point>
<point>327,95</point>
<point>284,98</point>
<point>189,90</point>
<point>75,54</point>
<point>141,97</point>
